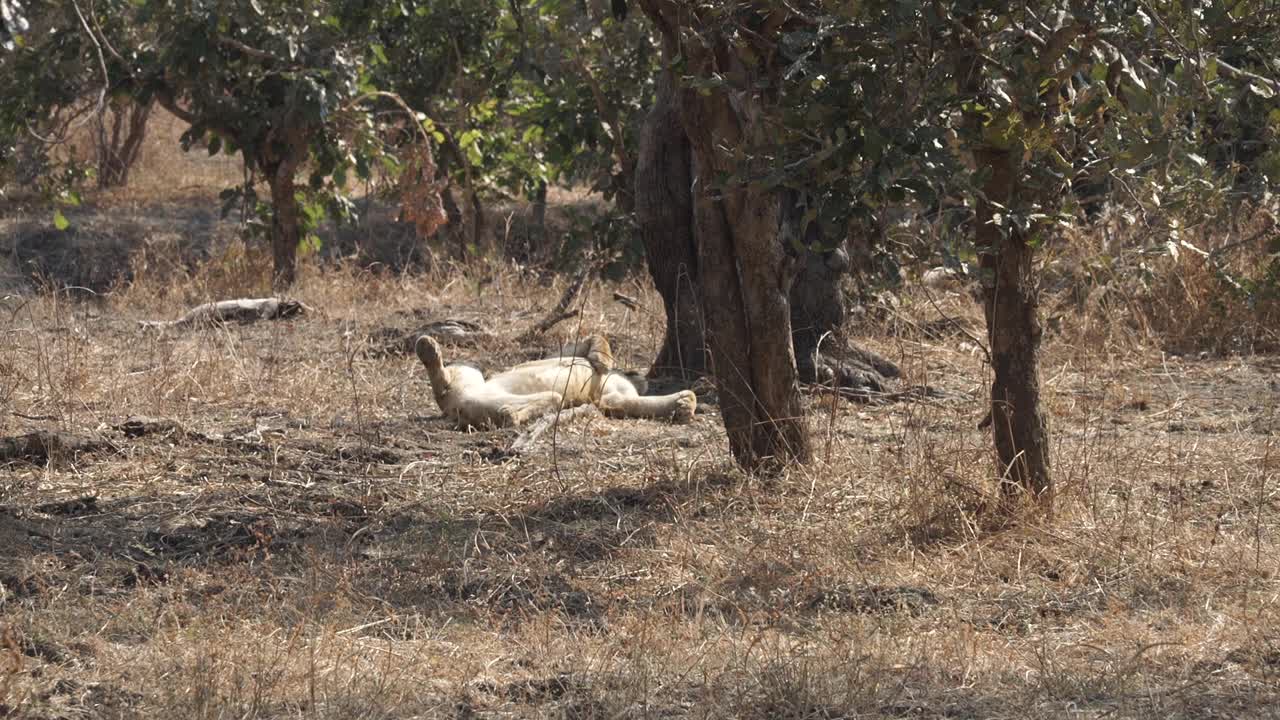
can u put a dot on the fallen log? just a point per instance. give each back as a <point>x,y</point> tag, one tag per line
<point>244,310</point>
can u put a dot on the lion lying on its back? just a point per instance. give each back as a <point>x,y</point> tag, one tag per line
<point>533,389</point>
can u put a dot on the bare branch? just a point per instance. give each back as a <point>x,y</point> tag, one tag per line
<point>249,50</point>
<point>1240,74</point>
<point>164,96</point>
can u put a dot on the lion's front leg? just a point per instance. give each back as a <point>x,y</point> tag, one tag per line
<point>678,407</point>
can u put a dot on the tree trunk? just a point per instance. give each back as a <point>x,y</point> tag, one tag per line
<point>817,303</point>
<point>533,242</point>
<point>1010,302</point>
<point>285,233</point>
<point>476,246</point>
<point>120,141</point>
<point>538,225</point>
<point>746,272</point>
<point>451,209</point>
<point>664,214</point>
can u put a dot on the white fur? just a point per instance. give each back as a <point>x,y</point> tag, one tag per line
<point>533,389</point>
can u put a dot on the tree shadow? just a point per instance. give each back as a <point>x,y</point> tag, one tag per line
<point>412,557</point>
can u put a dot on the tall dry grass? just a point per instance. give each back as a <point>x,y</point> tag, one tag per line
<point>1211,288</point>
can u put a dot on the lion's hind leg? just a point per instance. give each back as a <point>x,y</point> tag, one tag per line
<point>520,409</point>
<point>432,358</point>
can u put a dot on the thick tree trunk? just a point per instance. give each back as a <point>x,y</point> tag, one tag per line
<point>1010,303</point>
<point>664,214</point>
<point>746,278</point>
<point>817,304</point>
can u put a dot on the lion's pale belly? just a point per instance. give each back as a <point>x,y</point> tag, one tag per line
<point>571,377</point>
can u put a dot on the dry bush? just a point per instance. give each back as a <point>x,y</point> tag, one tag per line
<point>164,173</point>
<point>1211,289</point>
<point>1226,302</point>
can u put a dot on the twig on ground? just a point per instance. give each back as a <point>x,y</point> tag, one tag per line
<point>626,300</point>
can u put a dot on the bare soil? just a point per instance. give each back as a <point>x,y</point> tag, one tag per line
<point>278,523</point>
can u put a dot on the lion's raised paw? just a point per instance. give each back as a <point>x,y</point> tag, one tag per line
<point>686,405</point>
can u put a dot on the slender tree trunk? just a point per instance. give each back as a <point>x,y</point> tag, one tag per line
<point>120,141</point>
<point>1011,302</point>
<point>539,210</point>
<point>817,303</point>
<point>532,242</point>
<point>285,233</point>
<point>451,209</point>
<point>477,223</point>
<point>664,214</point>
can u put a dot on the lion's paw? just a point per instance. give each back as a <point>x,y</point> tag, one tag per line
<point>428,351</point>
<point>686,405</point>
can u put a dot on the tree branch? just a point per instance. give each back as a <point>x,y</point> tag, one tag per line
<point>249,50</point>
<point>164,96</point>
<point>1240,74</point>
<point>608,114</point>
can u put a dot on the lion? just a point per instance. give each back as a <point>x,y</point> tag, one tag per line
<point>582,373</point>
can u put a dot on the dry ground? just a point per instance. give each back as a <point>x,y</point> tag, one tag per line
<point>312,540</point>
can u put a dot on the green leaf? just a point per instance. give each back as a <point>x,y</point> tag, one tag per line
<point>215,144</point>
<point>60,221</point>
<point>1211,70</point>
<point>310,244</point>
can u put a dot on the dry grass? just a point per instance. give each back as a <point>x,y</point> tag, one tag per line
<point>321,544</point>
<point>315,542</point>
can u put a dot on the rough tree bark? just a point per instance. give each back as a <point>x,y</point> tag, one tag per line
<point>664,213</point>
<point>1010,302</point>
<point>1010,295</point>
<point>746,272</point>
<point>279,160</point>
